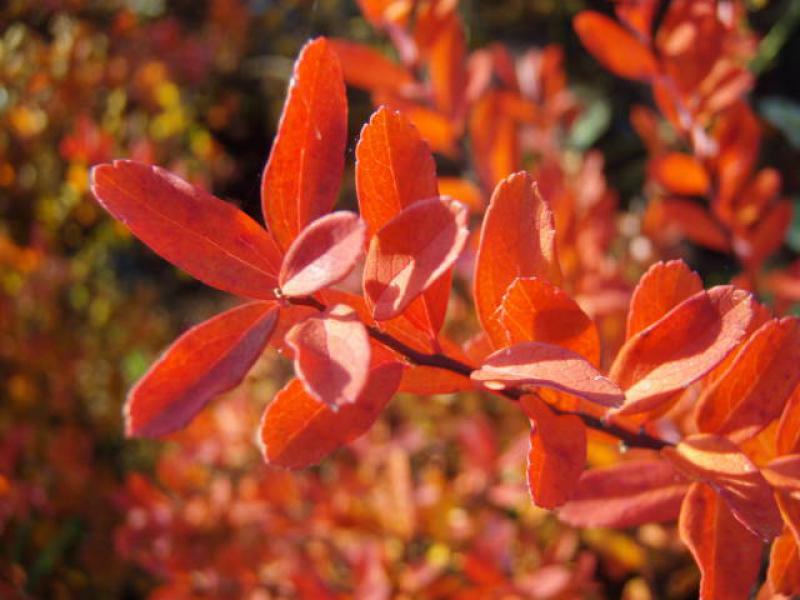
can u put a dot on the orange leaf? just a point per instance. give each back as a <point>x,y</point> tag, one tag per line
<point>394,168</point>
<point>680,174</point>
<point>784,473</point>
<point>209,359</point>
<point>757,384</point>
<point>208,238</point>
<point>614,47</point>
<point>557,454</point>
<point>368,69</point>
<point>297,431</point>
<point>696,223</point>
<point>495,140</point>
<point>717,461</point>
<point>767,236</point>
<point>517,240</point>
<point>323,254</point>
<point>626,495</point>
<point>332,355</point>
<point>661,288</point>
<point>427,381</point>
<point>545,365</point>
<point>784,565</point>
<point>302,176</point>
<point>681,347</point>
<point>534,310</point>
<point>788,435</point>
<point>411,252</point>
<point>447,68</point>
<point>729,556</point>
<point>464,191</point>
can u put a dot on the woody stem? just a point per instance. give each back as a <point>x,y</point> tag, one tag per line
<point>440,361</point>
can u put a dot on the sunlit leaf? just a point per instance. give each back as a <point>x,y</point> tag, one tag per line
<point>323,254</point>
<point>302,176</point>
<point>210,239</point>
<point>209,359</point>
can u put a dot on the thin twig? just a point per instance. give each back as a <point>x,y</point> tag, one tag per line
<point>441,361</point>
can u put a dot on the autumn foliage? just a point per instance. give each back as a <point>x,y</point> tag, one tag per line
<point>510,284</point>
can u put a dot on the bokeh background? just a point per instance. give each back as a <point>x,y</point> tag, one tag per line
<point>433,498</point>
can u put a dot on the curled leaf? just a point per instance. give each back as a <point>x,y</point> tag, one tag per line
<point>545,365</point>
<point>681,347</point>
<point>408,254</point>
<point>323,254</point>
<point>332,355</point>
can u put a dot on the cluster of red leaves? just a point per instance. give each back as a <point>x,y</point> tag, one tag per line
<point>707,375</point>
<point>707,183</point>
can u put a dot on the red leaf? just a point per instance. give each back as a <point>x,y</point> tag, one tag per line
<point>557,454</point>
<point>695,223</point>
<point>207,360</point>
<point>534,310</point>
<point>517,240</point>
<point>394,168</point>
<point>784,565</point>
<point>680,174</point>
<point>788,434</point>
<point>302,176</point>
<point>332,355</point>
<point>447,68</point>
<point>366,68</point>
<point>662,288</point>
<point>298,431</point>
<point>495,139</point>
<point>681,347</point>
<point>755,388</point>
<point>323,254</point>
<point>717,461</point>
<point>208,238</point>
<point>532,363</point>
<point>626,495</point>
<point>411,252</point>
<point>427,381</point>
<point>729,556</point>
<point>614,47</point>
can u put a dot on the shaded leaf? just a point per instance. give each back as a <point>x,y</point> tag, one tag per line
<point>613,46</point>
<point>717,461</point>
<point>626,495</point>
<point>557,453</point>
<point>784,565</point>
<point>534,310</point>
<point>366,68</point>
<point>394,168</point>
<point>536,364</point>
<point>696,223</point>
<point>302,176</point>
<point>209,359</point>
<point>729,556</point>
<point>332,355</point>
<point>411,252</point>
<point>208,238</point>
<point>298,431</point>
<point>517,240</point>
<point>323,254</point>
<point>680,174</point>
<point>661,288</point>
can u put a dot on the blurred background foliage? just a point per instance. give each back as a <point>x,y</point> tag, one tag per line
<point>197,86</point>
